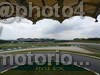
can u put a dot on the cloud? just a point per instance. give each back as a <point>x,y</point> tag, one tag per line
<point>75,27</point>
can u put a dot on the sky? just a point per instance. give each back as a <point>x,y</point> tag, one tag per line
<point>74,27</point>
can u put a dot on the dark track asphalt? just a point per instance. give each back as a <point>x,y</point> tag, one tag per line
<point>94,64</point>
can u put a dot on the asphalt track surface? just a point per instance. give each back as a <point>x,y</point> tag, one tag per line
<point>93,64</point>
<point>86,62</point>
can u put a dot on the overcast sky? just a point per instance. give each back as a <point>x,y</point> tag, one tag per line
<point>75,27</point>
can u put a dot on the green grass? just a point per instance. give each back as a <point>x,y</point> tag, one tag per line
<point>48,70</point>
<point>28,45</point>
<point>48,73</point>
